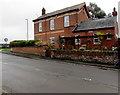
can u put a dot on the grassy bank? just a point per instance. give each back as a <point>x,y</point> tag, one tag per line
<point>5,49</point>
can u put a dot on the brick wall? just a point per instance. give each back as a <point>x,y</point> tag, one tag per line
<point>75,17</point>
<point>87,56</point>
<point>31,50</point>
<point>105,42</point>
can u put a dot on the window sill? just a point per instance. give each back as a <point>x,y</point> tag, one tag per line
<point>108,39</point>
<point>96,44</point>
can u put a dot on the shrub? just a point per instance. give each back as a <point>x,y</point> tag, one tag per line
<point>14,44</point>
<point>32,42</point>
<point>39,43</point>
<point>51,46</point>
<point>82,48</point>
<point>23,43</point>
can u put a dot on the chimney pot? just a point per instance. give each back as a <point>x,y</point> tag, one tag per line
<point>114,13</point>
<point>43,11</point>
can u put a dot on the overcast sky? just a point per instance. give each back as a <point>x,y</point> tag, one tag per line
<point>14,12</point>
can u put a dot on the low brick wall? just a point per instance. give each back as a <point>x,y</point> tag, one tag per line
<point>31,50</point>
<point>87,56</point>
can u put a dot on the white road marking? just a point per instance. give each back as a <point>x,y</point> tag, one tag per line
<point>87,79</point>
<point>37,69</point>
<point>5,63</point>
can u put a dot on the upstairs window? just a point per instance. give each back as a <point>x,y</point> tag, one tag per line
<point>66,21</point>
<point>40,26</point>
<point>52,40</point>
<point>52,24</point>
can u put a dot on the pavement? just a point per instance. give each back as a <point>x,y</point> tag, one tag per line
<point>43,75</point>
<point>31,56</point>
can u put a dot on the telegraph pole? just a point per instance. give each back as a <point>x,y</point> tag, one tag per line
<point>119,30</point>
<point>27,28</point>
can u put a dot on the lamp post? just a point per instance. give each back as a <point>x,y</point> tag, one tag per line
<point>119,30</point>
<point>27,28</point>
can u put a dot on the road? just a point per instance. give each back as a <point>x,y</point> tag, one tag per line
<point>25,75</point>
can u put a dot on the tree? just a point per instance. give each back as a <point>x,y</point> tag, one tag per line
<point>96,11</point>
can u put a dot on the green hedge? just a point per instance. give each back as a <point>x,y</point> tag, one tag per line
<point>23,43</point>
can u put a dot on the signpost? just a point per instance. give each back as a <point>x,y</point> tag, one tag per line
<point>6,40</point>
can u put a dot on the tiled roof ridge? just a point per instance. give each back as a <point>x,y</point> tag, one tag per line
<point>61,11</point>
<point>68,7</point>
<point>108,22</point>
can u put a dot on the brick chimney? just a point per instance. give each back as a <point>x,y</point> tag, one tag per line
<point>114,13</point>
<point>43,11</point>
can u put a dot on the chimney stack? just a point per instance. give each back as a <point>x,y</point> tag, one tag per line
<point>114,13</point>
<point>43,11</point>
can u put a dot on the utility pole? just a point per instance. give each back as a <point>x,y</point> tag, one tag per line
<point>27,28</point>
<point>119,19</point>
<point>119,30</point>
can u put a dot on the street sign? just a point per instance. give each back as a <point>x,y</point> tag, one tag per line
<point>5,39</point>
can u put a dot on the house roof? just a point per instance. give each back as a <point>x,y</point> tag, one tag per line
<point>96,24</point>
<point>75,7</point>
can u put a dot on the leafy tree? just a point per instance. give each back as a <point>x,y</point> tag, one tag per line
<point>96,11</point>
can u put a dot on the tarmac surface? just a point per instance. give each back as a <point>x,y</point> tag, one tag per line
<point>34,74</point>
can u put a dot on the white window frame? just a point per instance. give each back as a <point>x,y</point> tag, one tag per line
<point>63,40</point>
<point>52,40</point>
<point>66,21</point>
<point>108,37</point>
<point>40,26</point>
<point>96,43</point>
<point>52,24</point>
<point>77,40</point>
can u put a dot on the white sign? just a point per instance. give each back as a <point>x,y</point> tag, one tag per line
<point>6,39</point>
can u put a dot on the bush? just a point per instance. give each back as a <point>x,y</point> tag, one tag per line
<point>82,48</point>
<point>23,43</point>
<point>39,43</point>
<point>14,44</point>
<point>32,42</point>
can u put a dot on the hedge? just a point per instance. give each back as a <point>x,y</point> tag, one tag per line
<point>23,43</point>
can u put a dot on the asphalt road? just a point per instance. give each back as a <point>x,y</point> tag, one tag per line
<point>25,75</point>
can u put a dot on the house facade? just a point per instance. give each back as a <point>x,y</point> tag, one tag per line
<point>72,28</point>
<point>99,33</point>
<point>49,27</point>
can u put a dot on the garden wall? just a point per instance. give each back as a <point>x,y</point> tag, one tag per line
<point>31,50</point>
<point>109,57</point>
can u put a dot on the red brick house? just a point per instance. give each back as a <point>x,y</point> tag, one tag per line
<point>98,34</point>
<point>72,28</point>
<point>50,26</point>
